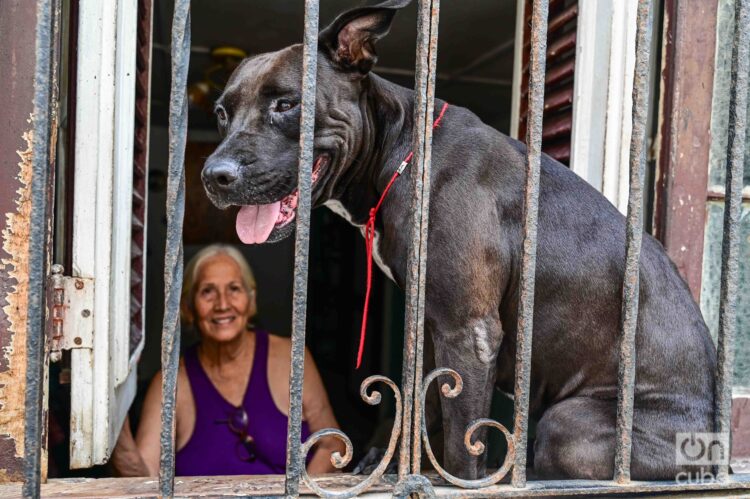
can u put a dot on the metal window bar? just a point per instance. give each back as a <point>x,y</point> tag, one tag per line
<point>732,209</point>
<point>424,104</point>
<point>44,119</point>
<point>294,459</point>
<point>537,70</point>
<point>414,387</point>
<point>634,235</point>
<point>173,257</point>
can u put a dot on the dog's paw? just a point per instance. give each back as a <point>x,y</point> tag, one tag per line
<point>372,459</point>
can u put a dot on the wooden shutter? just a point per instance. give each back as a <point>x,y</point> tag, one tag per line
<point>558,92</point>
<point>140,176</point>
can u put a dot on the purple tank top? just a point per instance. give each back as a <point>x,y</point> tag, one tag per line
<point>213,447</point>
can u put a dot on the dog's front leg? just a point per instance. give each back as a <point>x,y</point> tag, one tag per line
<point>472,352</point>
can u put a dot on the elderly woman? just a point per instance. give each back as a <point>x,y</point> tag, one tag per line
<point>232,387</point>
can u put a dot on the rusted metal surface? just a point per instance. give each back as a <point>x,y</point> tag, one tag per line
<point>17,34</point>
<point>294,456</point>
<point>273,486</point>
<point>44,125</point>
<point>738,101</point>
<point>538,61</point>
<point>475,448</point>
<point>688,76</point>
<point>413,283</point>
<point>173,256</point>
<point>414,486</point>
<point>426,67</point>
<point>339,461</point>
<point>634,233</point>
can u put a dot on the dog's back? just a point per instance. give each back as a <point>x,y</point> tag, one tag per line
<point>578,300</point>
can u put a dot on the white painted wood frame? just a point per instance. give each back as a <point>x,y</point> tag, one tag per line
<point>590,89</point>
<point>602,99</point>
<point>515,103</point>
<point>620,104</point>
<point>602,93</point>
<point>103,381</point>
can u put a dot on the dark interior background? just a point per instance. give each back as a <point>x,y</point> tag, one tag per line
<point>475,64</point>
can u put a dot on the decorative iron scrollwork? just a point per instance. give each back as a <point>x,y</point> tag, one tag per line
<point>340,461</point>
<point>475,448</point>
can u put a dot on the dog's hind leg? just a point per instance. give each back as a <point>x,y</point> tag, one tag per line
<point>472,352</point>
<point>575,438</point>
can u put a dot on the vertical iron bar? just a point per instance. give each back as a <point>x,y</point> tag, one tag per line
<point>412,271</point>
<point>537,66</point>
<point>173,257</point>
<point>634,233</point>
<point>46,12</point>
<point>423,162</point>
<point>732,210</point>
<point>294,458</point>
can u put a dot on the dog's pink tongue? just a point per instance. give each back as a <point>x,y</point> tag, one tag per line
<point>255,223</point>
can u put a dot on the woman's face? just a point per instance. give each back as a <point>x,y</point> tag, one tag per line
<point>222,304</point>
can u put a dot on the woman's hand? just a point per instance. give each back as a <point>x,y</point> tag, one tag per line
<point>319,415</point>
<point>126,458</point>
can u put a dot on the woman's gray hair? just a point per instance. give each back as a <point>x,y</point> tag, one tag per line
<point>196,263</point>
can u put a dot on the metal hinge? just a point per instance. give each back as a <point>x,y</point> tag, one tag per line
<point>71,322</point>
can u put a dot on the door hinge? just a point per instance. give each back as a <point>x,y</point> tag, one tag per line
<point>71,323</point>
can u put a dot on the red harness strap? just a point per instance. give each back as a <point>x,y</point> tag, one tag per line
<point>370,238</point>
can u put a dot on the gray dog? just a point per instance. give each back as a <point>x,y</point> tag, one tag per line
<point>363,131</point>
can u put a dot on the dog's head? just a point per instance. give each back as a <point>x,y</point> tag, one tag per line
<point>258,115</point>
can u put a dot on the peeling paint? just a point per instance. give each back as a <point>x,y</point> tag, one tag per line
<point>14,271</point>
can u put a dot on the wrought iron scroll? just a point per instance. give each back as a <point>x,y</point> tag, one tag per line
<point>45,88</point>
<point>294,459</point>
<point>173,257</point>
<point>537,66</point>
<point>634,233</point>
<point>730,249</point>
<point>474,448</point>
<point>339,461</point>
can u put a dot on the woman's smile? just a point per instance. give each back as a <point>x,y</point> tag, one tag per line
<point>223,306</point>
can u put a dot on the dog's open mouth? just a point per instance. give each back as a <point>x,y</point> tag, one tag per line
<point>256,222</point>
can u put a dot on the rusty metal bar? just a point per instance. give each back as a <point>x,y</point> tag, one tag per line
<point>634,233</point>
<point>414,315</point>
<point>730,248</point>
<point>294,456</point>
<point>173,257</point>
<point>423,162</point>
<point>47,26</point>
<point>537,65</point>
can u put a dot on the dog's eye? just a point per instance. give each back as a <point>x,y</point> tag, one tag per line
<point>221,114</point>
<point>284,105</point>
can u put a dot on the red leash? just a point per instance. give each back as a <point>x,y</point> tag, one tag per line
<point>370,238</point>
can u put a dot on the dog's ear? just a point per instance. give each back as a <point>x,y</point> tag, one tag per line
<point>350,40</point>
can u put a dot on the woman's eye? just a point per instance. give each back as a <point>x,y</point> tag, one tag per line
<point>221,114</point>
<point>284,105</point>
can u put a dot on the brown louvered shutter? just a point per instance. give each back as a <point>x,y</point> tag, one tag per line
<point>558,90</point>
<point>140,172</point>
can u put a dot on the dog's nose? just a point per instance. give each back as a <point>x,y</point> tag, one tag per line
<point>220,175</point>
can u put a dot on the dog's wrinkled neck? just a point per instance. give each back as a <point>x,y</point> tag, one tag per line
<point>386,138</point>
